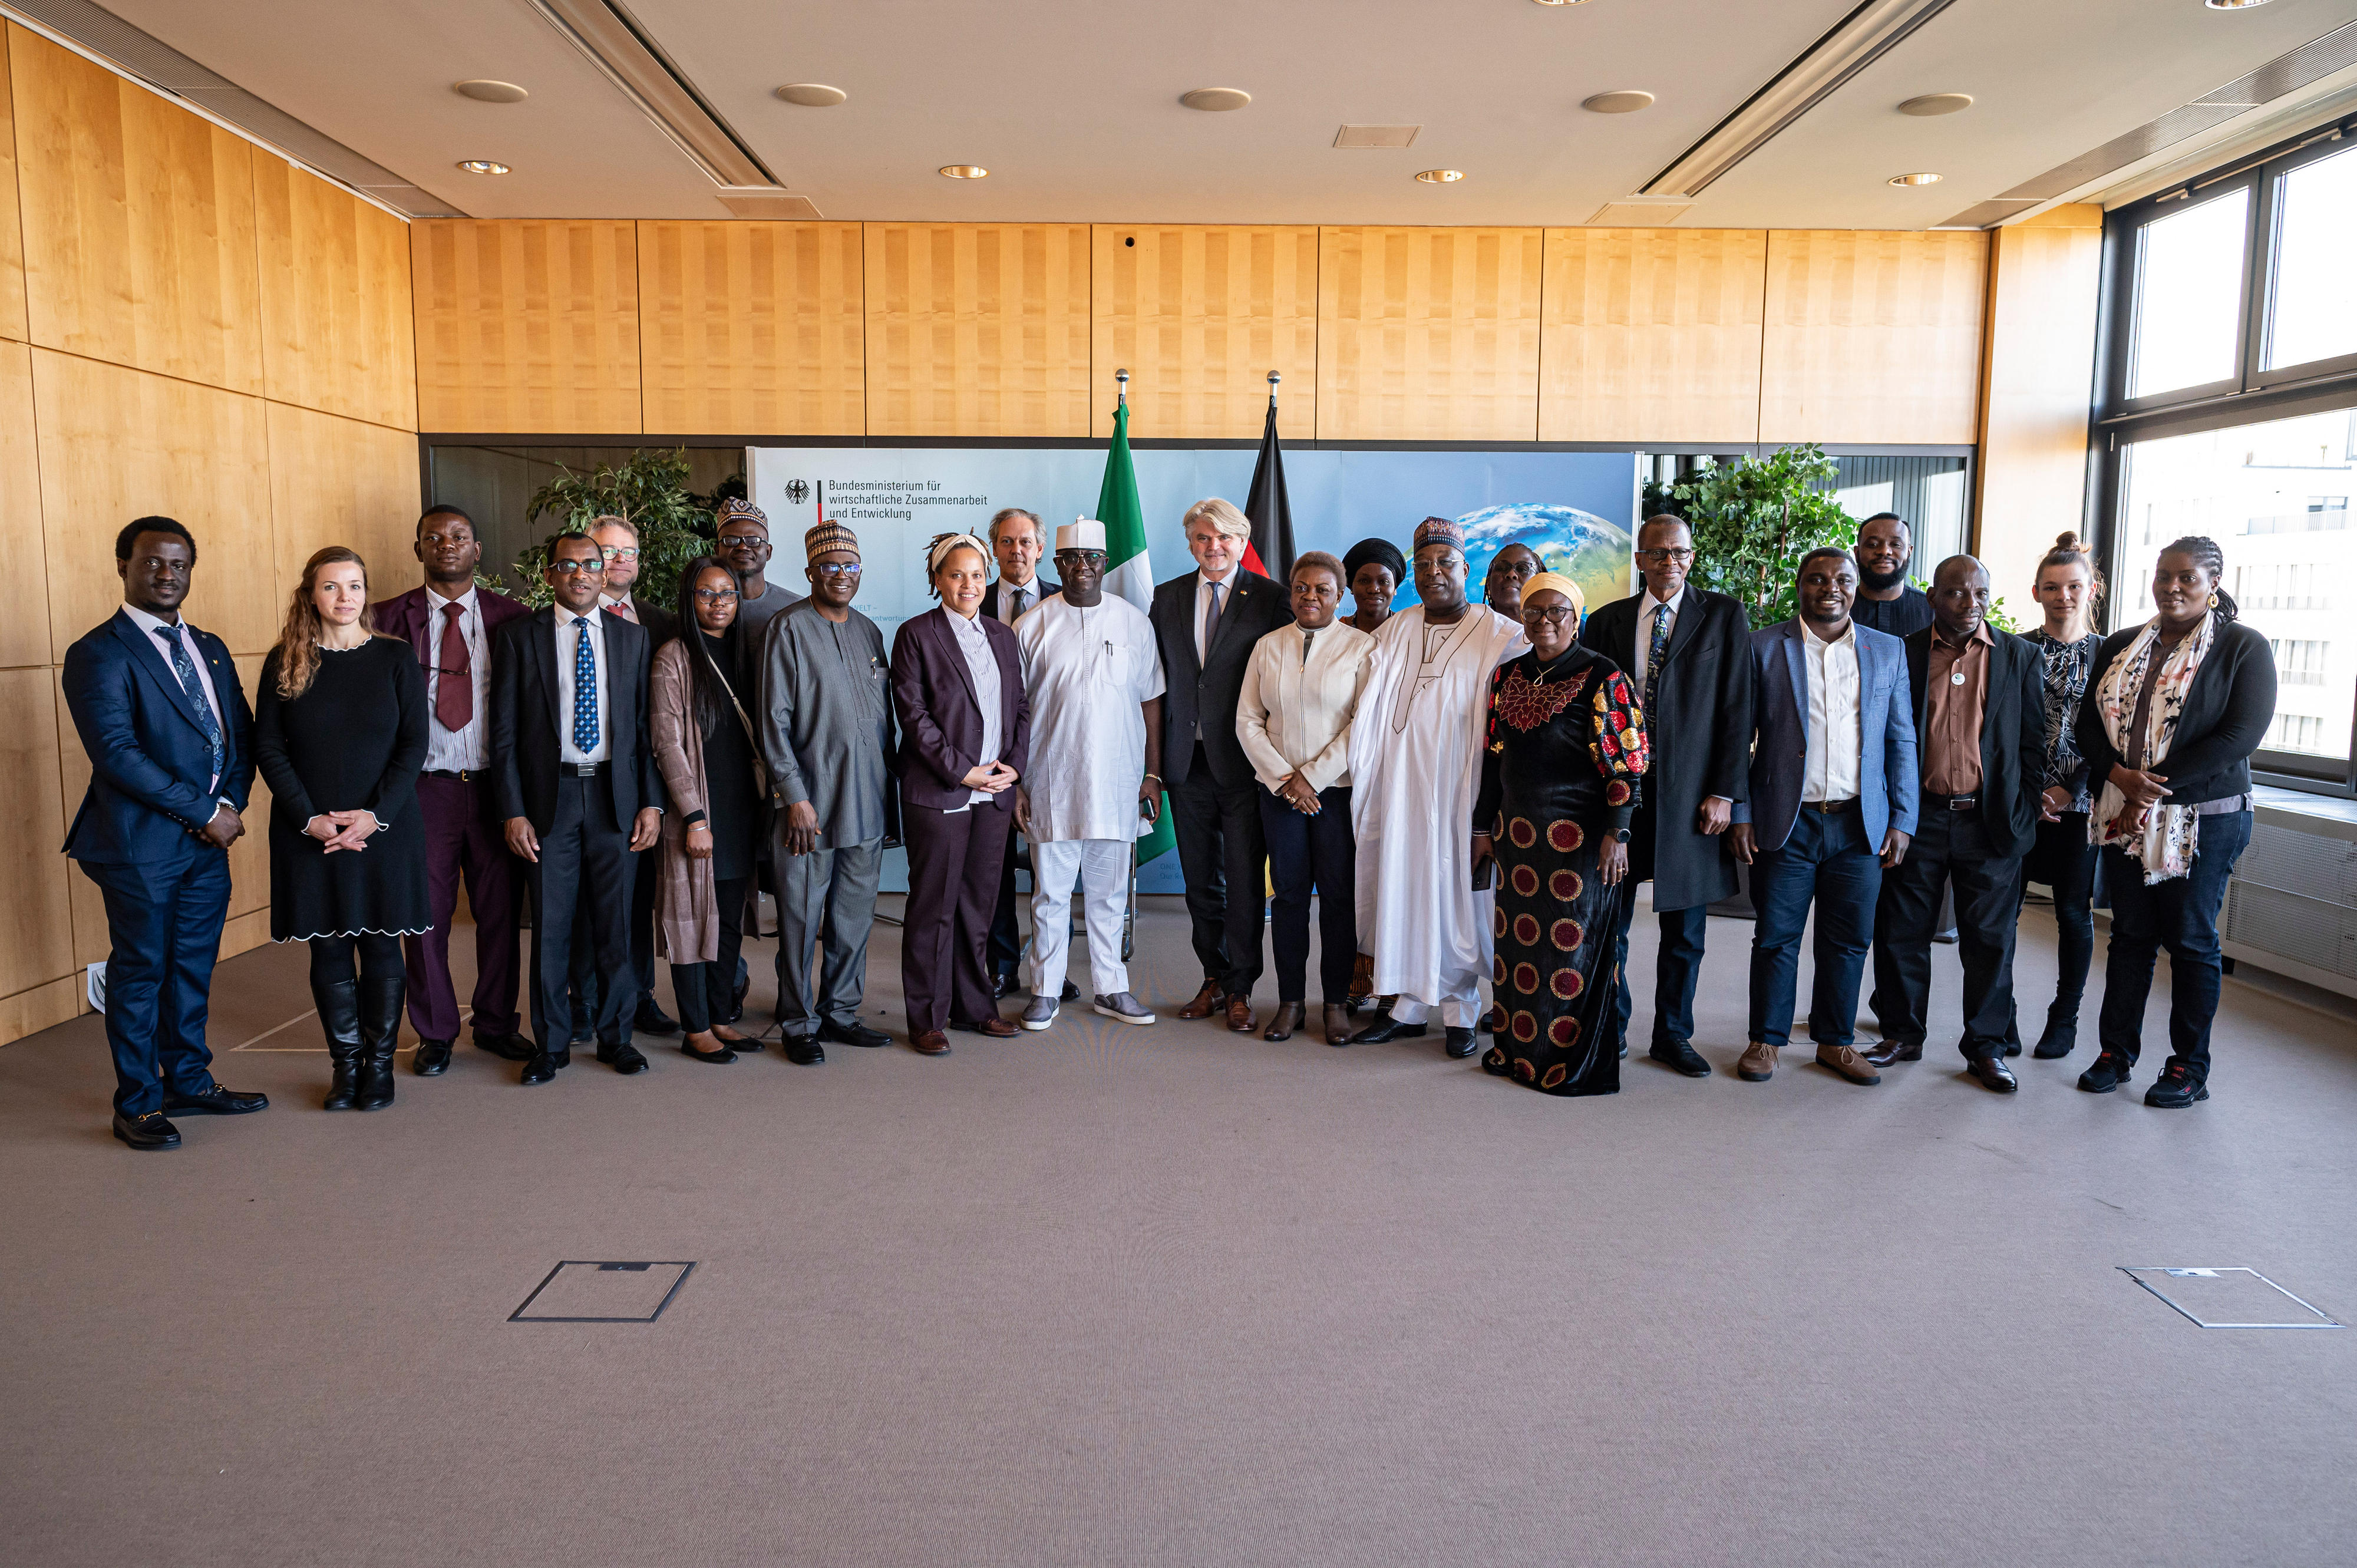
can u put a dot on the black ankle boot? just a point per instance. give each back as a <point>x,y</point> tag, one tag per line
<point>2061,1036</point>
<point>379,1022</point>
<point>339,1020</point>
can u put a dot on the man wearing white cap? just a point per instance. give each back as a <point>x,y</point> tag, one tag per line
<point>1093,675</point>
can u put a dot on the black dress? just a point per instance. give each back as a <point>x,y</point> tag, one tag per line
<point>353,741</point>
<point>1566,746</point>
<point>730,801</point>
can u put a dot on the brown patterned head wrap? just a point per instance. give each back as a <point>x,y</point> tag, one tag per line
<point>828,536</point>
<point>1440,530</point>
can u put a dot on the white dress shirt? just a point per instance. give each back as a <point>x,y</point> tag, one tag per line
<point>566,640</point>
<point>1646,616</point>
<point>1203,581</point>
<point>161,634</point>
<point>464,750</point>
<point>1832,773</point>
<point>983,665</point>
<point>1300,691</point>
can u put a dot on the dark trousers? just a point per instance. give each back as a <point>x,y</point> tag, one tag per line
<point>461,840</point>
<point>707,992</point>
<point>1006,936</point>
<point>955,860</point>
<point>1676,969</point>
<point>1307,853</point>
<point>2065,861</point>
<point>1826,861</point>
<point>162,941</point>
<point>1224,858</point>
<point>588,987</point>
<point>581,889</point>
<point>1950,848</point>
<point>2181,915</point>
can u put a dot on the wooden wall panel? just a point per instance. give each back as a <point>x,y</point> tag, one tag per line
<point>44,1006</point>
<point>1199,316</point>
<point>138,223</point>
<point>117,444</point>
<point>1428,334</point>
<point>752,328</point>
<point>12,233</point>
<point>25,629</point>
<point>1651,334</point>
<point>1873,337</point>
<point>36,915</point>
<point>527,326</point>
<point>336,330</point>
<point>339,481</point>
<point>2038,384</point>
<point>978,329</point>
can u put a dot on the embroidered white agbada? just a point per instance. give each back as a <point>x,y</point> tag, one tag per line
<point>1086,672</point>
<point>1415,767</point>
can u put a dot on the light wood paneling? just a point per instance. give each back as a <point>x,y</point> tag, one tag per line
<point>336,331</point>
<point>978,329</point>
<point>12,233</point>
<point>36,915</point>
<point>1873,337</point>
<point>2044,277</point>
<point>752,328</point>
<point>1651,334</point>
<point>339,481</point>
<point>1199,316</point>
<point>527,326</point>
<point>1428,334</point>
<point>138,223</point>
<point>117,444</point>
<point>25,629</point>
<point>43,1007</point>
<point>243,933</point>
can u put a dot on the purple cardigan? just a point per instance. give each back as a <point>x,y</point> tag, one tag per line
<point>940,722</point>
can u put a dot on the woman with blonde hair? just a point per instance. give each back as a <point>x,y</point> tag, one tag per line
<point>340,733</point>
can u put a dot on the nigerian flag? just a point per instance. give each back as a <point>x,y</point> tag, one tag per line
<point>1129,574</point>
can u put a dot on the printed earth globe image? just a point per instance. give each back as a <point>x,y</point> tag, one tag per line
<point>1584,547</point>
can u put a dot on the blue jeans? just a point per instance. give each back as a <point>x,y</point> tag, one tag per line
<point>2181,915</point>
<point>1675,973</point>
<point>1828,862</point>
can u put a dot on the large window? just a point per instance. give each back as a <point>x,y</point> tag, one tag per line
<point>2315,308</point>
<point>2188,328</point>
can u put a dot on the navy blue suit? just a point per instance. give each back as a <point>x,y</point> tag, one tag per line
<point>167,891</point>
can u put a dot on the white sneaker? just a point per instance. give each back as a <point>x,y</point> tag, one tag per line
<point>1123,1008</point>
<point>1040,1013</point>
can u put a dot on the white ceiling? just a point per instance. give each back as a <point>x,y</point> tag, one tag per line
<point>1074,108</point>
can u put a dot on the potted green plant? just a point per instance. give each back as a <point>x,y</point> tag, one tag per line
<point>1753,520</point>
<point>651,490</point>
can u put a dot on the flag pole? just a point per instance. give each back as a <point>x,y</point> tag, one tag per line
<point>1121,388</point>
<point>1273,378</point>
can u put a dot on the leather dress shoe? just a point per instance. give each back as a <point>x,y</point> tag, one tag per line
<point>1287,1017</point>
<point>1680,1055</point>
<point>652,1020</point>
<point>803,1050</point>
<point>1845,1060</point>
<point>852,1034</point>
<point>507,1048</point>
<point>1000,985</point>
<point>541,1066</point>
<point>433,1058</point>
<point>1993,1073</point>
<point>1758,1063</point>
<point>624,1059</point>
<point>1885,1052</point>
<point>1462,1044</point>
<point>1207,1002</point>
<point>994,1026</point>
<point>721,1052</point>
<point>1239,1014</point>
<point>213,1102</point>
<point>931,1043</point>
<point>1386,1028</point>
<point>1337,1025</point>
<point>146,1132</point>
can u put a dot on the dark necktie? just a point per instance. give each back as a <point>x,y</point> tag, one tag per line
<point>585,690</point>
<point>453,682</point>
<point>1653,651</point>
<point>1211,630</point>
<point>185,668</point>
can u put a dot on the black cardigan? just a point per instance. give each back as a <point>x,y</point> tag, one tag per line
<point>2226,713</point>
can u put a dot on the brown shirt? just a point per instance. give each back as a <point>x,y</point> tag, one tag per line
<point>1958,678</point>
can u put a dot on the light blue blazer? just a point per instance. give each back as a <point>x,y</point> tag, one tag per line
<point>1887,783</point>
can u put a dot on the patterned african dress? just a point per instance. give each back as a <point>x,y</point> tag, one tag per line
<point>1566,746</point>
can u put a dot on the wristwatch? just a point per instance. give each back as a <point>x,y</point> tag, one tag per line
<point>1620,836</point>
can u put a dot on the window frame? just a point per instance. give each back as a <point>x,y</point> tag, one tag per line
<point>2259,297</point>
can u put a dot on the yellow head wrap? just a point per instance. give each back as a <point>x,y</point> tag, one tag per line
<point>1561,585</point>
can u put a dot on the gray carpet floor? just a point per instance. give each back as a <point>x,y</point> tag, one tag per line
<point>1109,1295</point>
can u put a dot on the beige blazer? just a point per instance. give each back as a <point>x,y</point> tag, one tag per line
<point>687,900</point>
<point>1296,715</point>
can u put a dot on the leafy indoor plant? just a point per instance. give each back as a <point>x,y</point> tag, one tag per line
<point>675,525</point>
<point>1752,521</point>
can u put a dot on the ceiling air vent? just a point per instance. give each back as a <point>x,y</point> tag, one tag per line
<point>763,202</point>
<point>611,38</point>
<point>1376,135</point>
<point>1641,212</point>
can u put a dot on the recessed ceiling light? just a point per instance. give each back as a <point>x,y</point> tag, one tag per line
<point>965,171</point>
<point>2232,5</point>
<point>813,94</point>
<point>1936,103</point>
<point>483,90</point>
<point>484,166</point>
<point>1562,2</point>
<point>1626,102</point>
<point>1214,100</point>
<point>1914,179</point>
<point>1447,176</point>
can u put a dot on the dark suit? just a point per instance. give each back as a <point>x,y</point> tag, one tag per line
<point>1006,936</point>
<point>955,850</point>
<point>463,840</point>
<point>1214,798</point>
<point>166,890</point>
<point>583,823</point>
<point>1704,675</point>
<point>660,625</point>
<point>1979,849</point>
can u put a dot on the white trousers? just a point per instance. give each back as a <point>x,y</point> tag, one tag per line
<point>1460,998</point>
<point>1102,868</point>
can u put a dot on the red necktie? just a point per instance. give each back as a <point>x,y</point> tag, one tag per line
<point>454,686</point>
<point>624,608</point>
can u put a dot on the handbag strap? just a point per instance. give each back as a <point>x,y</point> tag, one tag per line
<point>751,739</point>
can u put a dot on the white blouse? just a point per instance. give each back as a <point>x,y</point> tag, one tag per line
<point>1300,691</point>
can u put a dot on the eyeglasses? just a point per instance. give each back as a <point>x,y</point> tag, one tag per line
<point>571,566</point>
<point>618,552</point>
<point>836,568</point>
<point>1098,556</point>
<point>1553,615</point>
<point>1662,557</point>
<point>716,596</point>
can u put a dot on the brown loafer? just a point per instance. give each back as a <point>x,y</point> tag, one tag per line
<point>1845,1060</point>
<point>996,1027</point>
<point>1337,1025</point>
<point>931,1043</point>
<point>1239,1014</point>
<point>1758,1063</point>
<point>1207,1002</point>
<point>1287,1019</point>
<point>1885,1052</point>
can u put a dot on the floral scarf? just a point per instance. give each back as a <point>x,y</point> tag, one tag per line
<point>2163,835</point>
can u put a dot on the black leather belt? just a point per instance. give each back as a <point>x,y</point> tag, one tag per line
<point>582,770</point>
<point>463,775</point>
<point>1830,808</point>
<point>1961,802</point>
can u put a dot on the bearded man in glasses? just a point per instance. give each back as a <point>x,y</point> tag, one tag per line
<point>1688,654</point>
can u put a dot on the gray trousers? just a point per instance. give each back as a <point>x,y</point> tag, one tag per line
<point>826,899</point>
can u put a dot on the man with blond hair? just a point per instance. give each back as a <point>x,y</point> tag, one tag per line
<point>1206,624</point>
